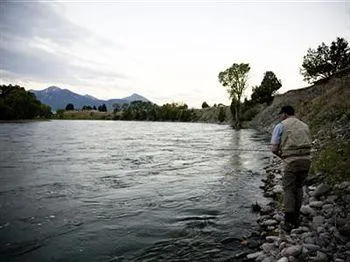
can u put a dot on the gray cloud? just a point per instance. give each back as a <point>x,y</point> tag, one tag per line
<point>23,22</point>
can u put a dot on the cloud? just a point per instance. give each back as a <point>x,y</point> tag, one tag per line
<point>37,42</point>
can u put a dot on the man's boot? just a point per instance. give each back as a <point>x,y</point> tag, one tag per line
<point>289,221</point>
<point>296,219</point>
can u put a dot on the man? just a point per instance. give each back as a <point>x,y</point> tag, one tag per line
<point>292,142</point>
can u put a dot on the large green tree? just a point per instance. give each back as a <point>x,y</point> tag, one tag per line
<point>267,89</point>
<point>325,60</point>
<point>17,103</point>
<point>235,79</point>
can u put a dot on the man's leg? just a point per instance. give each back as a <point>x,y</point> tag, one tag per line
<point>294,177</point>
<point>289,199</point>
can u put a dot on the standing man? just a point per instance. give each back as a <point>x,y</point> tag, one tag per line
<point>292,142</point>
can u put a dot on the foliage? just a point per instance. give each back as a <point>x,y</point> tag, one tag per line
<point>222,114</point>
<point>333,161</point>
<point>16,103</point>
<point>267,89</point>
<point>102,108</point>
<point>87,108</point>
<point>324,61</point>
<point>205,105</point>
<point>235,79</point>
<point>60,113</point>
<point>249,110</point>
<point>147,111</point>
<point>69,107</point>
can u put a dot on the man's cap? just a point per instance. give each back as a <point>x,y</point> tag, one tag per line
<point>289,110</point>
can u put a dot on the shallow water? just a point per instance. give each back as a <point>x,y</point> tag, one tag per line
<point>126,191</point>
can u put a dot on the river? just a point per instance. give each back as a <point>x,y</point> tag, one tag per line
<point>127,191</point>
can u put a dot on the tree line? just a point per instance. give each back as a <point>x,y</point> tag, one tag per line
<point>17,103</point>
<point>318,63</point>
<point>100,108</point>
<point>148,111</point>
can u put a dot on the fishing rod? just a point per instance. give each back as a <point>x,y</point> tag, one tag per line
<point>250,149</point>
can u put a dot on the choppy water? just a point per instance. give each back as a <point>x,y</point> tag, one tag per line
<point>126,191</point>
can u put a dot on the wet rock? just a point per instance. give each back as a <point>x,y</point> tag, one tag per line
<point>270,222</point>
<point>269,259</point>
<point>316,204</point>
<point>317,221</point>
<point>321,190</point>
<point>291,251</point>
<point>254,255</point>
<point>272,239</point>
<point>311,247</point>
<point>267,247</point>
<point>320,257</point>
<point>283,259</point>
<point>345,230</point>
<point>307,210</point>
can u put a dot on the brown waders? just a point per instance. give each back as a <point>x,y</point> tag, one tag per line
<point>295,172</point>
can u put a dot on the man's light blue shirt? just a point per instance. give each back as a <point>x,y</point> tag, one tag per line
<point>277,134</point>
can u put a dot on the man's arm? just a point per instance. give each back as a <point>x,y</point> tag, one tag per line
<point>276,139</point>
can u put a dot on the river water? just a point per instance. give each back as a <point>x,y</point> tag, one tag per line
<point>127,191</point>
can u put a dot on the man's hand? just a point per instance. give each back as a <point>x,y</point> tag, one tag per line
<point>275,149</point>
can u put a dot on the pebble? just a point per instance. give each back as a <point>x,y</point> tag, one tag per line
<point>324,234</point>
<point>291,251</point>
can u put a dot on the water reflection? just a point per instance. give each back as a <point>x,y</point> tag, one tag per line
<point>89,190</point>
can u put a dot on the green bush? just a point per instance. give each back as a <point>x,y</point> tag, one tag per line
<point>333,161</point>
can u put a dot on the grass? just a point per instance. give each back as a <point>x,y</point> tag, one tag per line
<point>84,115</point>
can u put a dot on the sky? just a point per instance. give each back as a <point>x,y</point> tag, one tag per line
<point>167,51</point>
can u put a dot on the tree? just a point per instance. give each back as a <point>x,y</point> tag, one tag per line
<point>17,103</point>
<point>235,79</point>
<point>205,105</point>
<point>69,107</point>
<point>267,89</point>
<point>324,61</point>
<point>102,108</point>
<point>222,114</point>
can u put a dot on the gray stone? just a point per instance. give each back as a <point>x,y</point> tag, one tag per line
<point>272,239</point>
<point>320,229</point>
<point>293,259</point>
<point>311,247</point>
<point>307,210</point>
<point>318,221</point>
<point>345,186</point>
<point>321,257</point>
<point>267,247</point>
<point>310,240</point>
<point>316,204</point>
<point>331,199</point>
<point>345,230</point>
<point>278,217</point>
<point>269,259</point>
<point>300,230</point>
<point>283,259</point>
<point>254,255</point>
<point>277,189</point>
<point>266,210</point>
<point>321,190</point>
<point>291,251</point>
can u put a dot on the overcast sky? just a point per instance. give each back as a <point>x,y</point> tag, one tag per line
<point>168,51</point>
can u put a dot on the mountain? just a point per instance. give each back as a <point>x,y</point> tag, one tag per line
<point>135,97</point>
<point>58,98</point>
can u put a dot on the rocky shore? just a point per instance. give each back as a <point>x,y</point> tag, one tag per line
<point>324,233</point>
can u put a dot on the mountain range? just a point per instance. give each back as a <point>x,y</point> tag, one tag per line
<point>58,98</point>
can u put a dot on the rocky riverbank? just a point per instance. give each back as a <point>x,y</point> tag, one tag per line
<point>324,234</point>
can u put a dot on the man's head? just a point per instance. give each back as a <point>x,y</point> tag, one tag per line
<point>286,111</point>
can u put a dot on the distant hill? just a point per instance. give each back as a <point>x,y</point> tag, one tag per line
<point>58,98</point>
